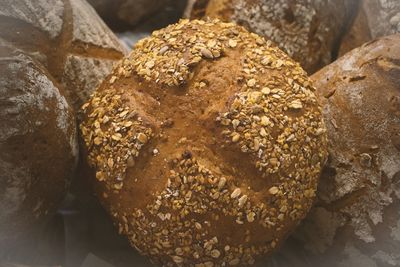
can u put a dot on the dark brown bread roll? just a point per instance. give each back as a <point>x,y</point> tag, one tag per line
<point>309,31</point>
<point>52,55</point>
<point>356,221</point>
<point>207,142</point>
<point>375,18</point>
<point>38,147</point>
<point>67,37</point>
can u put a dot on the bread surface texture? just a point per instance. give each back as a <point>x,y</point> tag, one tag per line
<point>53,54</point>
<point>66,37</point>
<point>38,147</point>
<point>374,19</point>
<point>207,142</point>
<point>308,31</point>
<point>357,212</point>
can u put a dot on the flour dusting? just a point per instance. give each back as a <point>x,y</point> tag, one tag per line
<point>43,14</point>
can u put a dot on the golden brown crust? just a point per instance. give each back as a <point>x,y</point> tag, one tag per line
<point>235,150</point>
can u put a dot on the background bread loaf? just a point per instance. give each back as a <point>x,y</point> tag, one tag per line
<point>356,221</point>
<point>128,14</point>
<point>67,37</point>
<point>375,18</point>
<point>38,149</point>
<point>52,54</point>
<point>309,31</point>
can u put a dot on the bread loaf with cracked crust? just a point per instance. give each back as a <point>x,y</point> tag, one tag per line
<point>207,142</point>
<point>53,54</point>
<point>67,37</point>
<point>356,221</point>
<point>308,31</point>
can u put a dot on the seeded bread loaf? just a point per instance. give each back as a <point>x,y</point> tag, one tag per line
<point>309,31</point>
<point>38,148</point>
<point>375,18</point>
<point>67,37</point>
<point>207,142</point>
<point>356,221</point>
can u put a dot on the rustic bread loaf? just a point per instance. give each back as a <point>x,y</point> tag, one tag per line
<point>309,31</point>
<point>67,37</point>
<point>375,18</point>
<point>38,147</point>
<point>53,54</point>
<point>207,142</point>
<point>356,221</point>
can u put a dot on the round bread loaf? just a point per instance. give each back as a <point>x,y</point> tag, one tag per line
<point>375,18</point>
<point>67,37</point>
<point>308,31</point>
<point>51,52</point>
<point>207,142</point>
<point>356,221</point>
<point>38,148</point>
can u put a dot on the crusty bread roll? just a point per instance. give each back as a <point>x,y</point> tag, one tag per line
<point>356,221</point>
<point>309,31</point>
<point>38,148</point>
<point>67,37</point>
<point>53,54</point>
<point>375,18</point>
<point>207,142</point>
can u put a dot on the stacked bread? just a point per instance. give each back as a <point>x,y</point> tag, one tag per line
<point>207,144</point>
<point>147,131</point>
<point>52,56</point>
<point>356,219</point>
